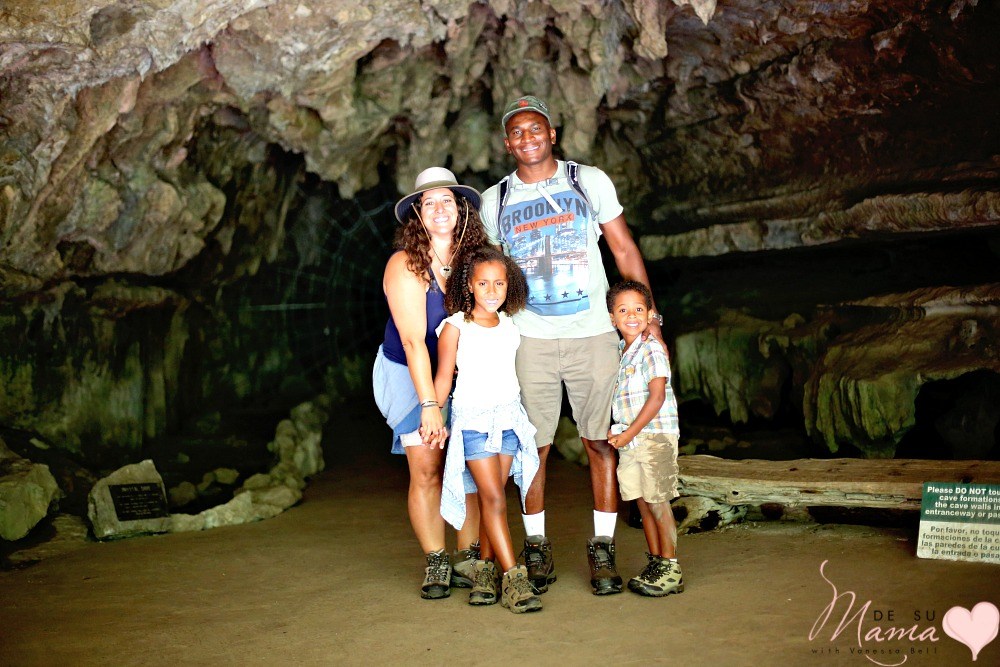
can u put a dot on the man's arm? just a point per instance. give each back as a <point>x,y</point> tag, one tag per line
<point>628,259</point>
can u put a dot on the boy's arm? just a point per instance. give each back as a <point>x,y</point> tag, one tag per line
<point>657,394</point>
<point>447,352</point>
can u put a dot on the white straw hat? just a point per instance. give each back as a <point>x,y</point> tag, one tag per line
<point>429,179</point>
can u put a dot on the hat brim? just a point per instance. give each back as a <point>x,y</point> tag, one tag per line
<point>404,204</point>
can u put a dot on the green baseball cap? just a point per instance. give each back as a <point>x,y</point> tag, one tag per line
<point>525,103</point>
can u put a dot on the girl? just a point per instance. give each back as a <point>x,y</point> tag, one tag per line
<point>490,432</point>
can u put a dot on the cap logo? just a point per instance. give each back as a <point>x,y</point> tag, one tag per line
<point>522,103</point>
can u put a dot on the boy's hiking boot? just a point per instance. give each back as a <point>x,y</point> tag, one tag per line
<point>484,583</point>
<point>660,577</point>
<point>603,573</point>
<point>517,593</point>
<point>538,560</point>
<point>437,576</point>
<point>462,562</point>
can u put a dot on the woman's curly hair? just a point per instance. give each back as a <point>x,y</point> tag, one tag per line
<point>411,237</point>
<point>459,296</point>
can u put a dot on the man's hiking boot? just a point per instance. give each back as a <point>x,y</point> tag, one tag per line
<point>538,560</point>
<point>603,573</point>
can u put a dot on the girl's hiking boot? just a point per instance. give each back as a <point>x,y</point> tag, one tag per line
<point>538,560</point>
<point>484,583</point>
<point>603,573</point>
<point>462,562</point>
<point>437,576</point>
<point>661,577</point>
<point>517,593</point>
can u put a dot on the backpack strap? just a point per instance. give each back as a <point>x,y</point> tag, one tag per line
<point>504,185</point>
<point>573,173</point>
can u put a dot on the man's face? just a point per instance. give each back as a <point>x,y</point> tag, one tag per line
<point>529,138</point>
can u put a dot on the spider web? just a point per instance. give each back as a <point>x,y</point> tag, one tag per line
<point>330,302</point>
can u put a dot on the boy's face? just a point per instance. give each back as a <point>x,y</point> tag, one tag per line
<point>630,314</point>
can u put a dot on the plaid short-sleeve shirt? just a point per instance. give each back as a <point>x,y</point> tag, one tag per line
<point>640,363</point>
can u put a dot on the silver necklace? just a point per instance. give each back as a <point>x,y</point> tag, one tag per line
<point>445,266</point>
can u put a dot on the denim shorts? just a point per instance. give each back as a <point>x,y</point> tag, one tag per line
<point>475,444</point>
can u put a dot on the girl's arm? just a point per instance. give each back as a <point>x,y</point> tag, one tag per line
<point>447,352</point>
<point>657,394</point>
<point>407,297</point>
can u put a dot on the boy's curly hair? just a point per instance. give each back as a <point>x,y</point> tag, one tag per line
<point>412,238</point>
<point>459,296</point>
<point>629,286</point>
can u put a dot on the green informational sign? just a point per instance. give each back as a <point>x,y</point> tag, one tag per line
<point>960,522</point>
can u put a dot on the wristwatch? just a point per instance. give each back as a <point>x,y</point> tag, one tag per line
<point>653,315</point>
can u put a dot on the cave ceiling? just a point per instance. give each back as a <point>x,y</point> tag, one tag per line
<point>729,126</point>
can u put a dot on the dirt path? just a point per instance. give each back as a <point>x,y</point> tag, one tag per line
<point>334,581</point>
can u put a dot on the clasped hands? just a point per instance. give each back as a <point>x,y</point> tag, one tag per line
<point>434,436</point>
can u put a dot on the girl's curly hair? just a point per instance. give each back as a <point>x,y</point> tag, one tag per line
<point>459,296</point>
<point>411,237</point>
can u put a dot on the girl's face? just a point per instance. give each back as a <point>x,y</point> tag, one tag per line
<point>488,284</point>
<point>630,314</point>
<point>438,211</point>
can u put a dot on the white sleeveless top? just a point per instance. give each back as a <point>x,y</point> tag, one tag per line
<point>485,362</point>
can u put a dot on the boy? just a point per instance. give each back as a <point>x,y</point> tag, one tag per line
<point>645,433</point>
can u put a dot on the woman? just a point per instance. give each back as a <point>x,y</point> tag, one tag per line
<point>440,221</point>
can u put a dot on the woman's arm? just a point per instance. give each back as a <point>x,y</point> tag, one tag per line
<point>407,297</point>
<point>447,353</point>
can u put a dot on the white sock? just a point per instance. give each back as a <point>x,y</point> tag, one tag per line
<point>534,524</point>
<point>604,523</point>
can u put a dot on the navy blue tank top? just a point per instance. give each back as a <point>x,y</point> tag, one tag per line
<point>392,346</point>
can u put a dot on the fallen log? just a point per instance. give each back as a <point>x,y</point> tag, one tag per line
<point>881,483</point>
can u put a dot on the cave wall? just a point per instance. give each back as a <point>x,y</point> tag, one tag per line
<point>155,155</point>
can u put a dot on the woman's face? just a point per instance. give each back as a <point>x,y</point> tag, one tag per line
<point>438,211</point>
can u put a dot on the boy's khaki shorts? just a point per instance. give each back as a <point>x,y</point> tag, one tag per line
<point>587,366</point>
<point>649,470</point>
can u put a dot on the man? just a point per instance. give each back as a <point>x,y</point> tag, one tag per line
<point>548,215</point>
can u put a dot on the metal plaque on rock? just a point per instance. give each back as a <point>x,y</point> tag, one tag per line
<point>138,501</point>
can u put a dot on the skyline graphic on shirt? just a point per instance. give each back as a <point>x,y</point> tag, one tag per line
<point>550,246</point>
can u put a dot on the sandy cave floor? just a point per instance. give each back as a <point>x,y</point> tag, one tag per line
<point>334,581</point>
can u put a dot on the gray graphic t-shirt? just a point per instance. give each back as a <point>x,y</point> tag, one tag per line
<point>548,229</point>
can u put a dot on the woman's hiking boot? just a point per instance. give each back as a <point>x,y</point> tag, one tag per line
<point>660,577</point>
<point>484,583</point>
<point>516,592</point>
<point>538,559</point>
<point>603,572</point>
<point>462,562</point>
<point>437,576</point>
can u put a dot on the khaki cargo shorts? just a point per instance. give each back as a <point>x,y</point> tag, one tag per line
<point>587,366</point>
<point>649,470</point>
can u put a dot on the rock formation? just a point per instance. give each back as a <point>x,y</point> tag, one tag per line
<point>814,185</point>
